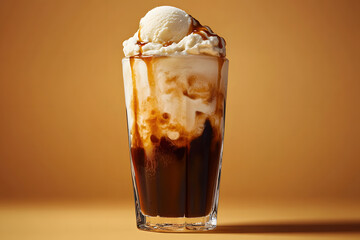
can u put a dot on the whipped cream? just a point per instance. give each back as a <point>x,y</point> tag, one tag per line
<point>166,30</point>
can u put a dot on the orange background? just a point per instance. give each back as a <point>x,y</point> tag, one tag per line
<point>293,109</point>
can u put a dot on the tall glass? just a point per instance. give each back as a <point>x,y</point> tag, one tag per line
<point>175,111</point>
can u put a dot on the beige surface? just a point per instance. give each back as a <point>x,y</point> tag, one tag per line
<point>292,128</point>
<point>292,121</point>
<point>261,220</point>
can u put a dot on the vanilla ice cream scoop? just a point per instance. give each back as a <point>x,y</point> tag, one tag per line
<point>164,24</point>
<point>166,31</point>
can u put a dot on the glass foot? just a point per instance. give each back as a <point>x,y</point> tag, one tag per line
<point>181,224</point>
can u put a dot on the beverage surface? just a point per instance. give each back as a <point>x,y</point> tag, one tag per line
<point>166,31</point>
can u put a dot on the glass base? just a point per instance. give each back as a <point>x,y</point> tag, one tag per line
<point>181,224</point>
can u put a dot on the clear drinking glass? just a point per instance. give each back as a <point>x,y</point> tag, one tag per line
<point>175,111</point>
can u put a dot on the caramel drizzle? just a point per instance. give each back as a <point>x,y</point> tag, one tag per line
<point>220,98</point>
<point>136,140</point>
<point>200,29</point>
<point>152,100</point>
<point>196,27</point>
<point>140,43</point>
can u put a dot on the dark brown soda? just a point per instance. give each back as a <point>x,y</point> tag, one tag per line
<point>182,181</point>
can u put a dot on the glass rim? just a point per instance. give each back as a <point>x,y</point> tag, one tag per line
<point>176,56</point>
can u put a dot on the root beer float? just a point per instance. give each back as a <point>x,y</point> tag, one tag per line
<point>175,77</point>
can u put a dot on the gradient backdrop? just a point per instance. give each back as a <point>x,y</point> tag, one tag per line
<point>293,116</point>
